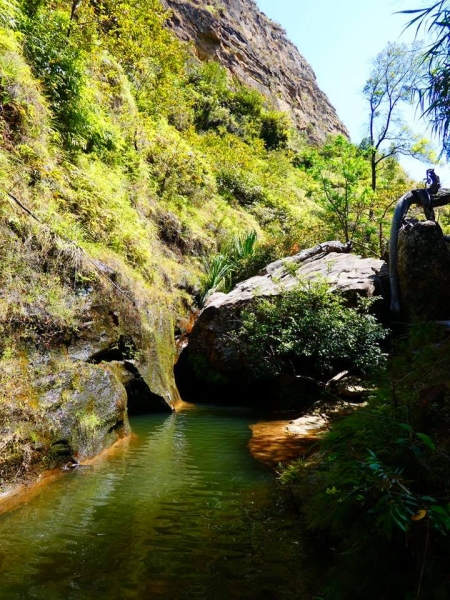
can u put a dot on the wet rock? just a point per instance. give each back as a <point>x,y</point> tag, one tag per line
<point>424,271</point>
<point>85,409</point>
<point>308,425</point>
<point>124,331</point>
<point>141,399</point>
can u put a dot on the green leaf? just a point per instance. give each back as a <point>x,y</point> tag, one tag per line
<point>440,510</point>
<point>430,499</point>
<point>426,440</point>
<point>401,441</point>
<point>406,427</point>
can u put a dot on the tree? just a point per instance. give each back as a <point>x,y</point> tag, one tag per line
<point>342,171</point>
<point>434,88</point>
<point>395,75</point>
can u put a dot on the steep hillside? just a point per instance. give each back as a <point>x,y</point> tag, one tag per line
<point>134,181</point>
<point>122,168</point>
<point>257,51</point>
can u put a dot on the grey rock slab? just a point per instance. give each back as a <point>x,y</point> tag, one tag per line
<point>347,273</point>
<point>210,345</point>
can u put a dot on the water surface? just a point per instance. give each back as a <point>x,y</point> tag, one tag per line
<point>180,511</point>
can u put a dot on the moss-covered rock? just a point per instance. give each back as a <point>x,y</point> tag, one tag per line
<point>85,407</point>
<point>61,410</point>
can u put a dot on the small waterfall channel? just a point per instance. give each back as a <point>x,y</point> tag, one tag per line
<point>180,510</point>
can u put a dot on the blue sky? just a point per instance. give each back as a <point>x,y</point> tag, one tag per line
<point>339,40</point>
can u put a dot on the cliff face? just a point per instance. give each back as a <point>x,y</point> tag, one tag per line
<point>256,50</point>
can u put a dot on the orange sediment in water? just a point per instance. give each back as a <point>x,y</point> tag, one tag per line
<point>21,493</point>
<point>272,442</point>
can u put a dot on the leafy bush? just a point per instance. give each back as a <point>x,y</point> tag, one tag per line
<point>61,67</point>
<point>218,270</point>
<point>219,102</point>
<point>309,331</point>
<point>246,102</point>
<point>208,86</point>
<point>23,113</point>
<point>236,185</point>
<point>150,55</point>
<point>179,171</point>
<point>379,489</point>
<point>275,130</point>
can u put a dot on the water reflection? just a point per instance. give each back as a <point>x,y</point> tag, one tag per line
<point>181,511</point>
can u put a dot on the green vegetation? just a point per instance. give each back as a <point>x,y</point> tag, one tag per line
<point>379,488</point>
<point>133,180</point>
<point>341,170</point>
<point>122,152</point>
<point>131,154</point>
<point>340,183</point>
<point>309,332</point>
<point>124,167</point>
<point>433,90</point>
<point>225,268</point>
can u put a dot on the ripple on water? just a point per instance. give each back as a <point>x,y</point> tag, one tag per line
<point>182,511</point>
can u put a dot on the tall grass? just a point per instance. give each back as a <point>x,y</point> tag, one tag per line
<point>242,247</point>
<point>222,270</point>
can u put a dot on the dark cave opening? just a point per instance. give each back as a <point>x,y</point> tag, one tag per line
<point>141,400</point>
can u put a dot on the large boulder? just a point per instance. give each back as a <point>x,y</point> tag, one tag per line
<point>62,411</point>
<point>75,362</point>
<point>213,361</point>
<point>424,271</point>
<point>138,330</point>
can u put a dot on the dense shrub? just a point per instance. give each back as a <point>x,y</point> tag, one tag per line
<point>379,490</point>
<point>275,130</point>
<point>219,102</point>
<point>309,331</point>
<point>60,65</point>
<point>233,184</point>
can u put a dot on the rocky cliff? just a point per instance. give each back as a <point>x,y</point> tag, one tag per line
<point>256,50</point>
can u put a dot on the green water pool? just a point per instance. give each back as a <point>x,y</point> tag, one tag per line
<point>180,511</point>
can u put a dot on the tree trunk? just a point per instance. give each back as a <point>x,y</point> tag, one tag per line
<point>373,166</point>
